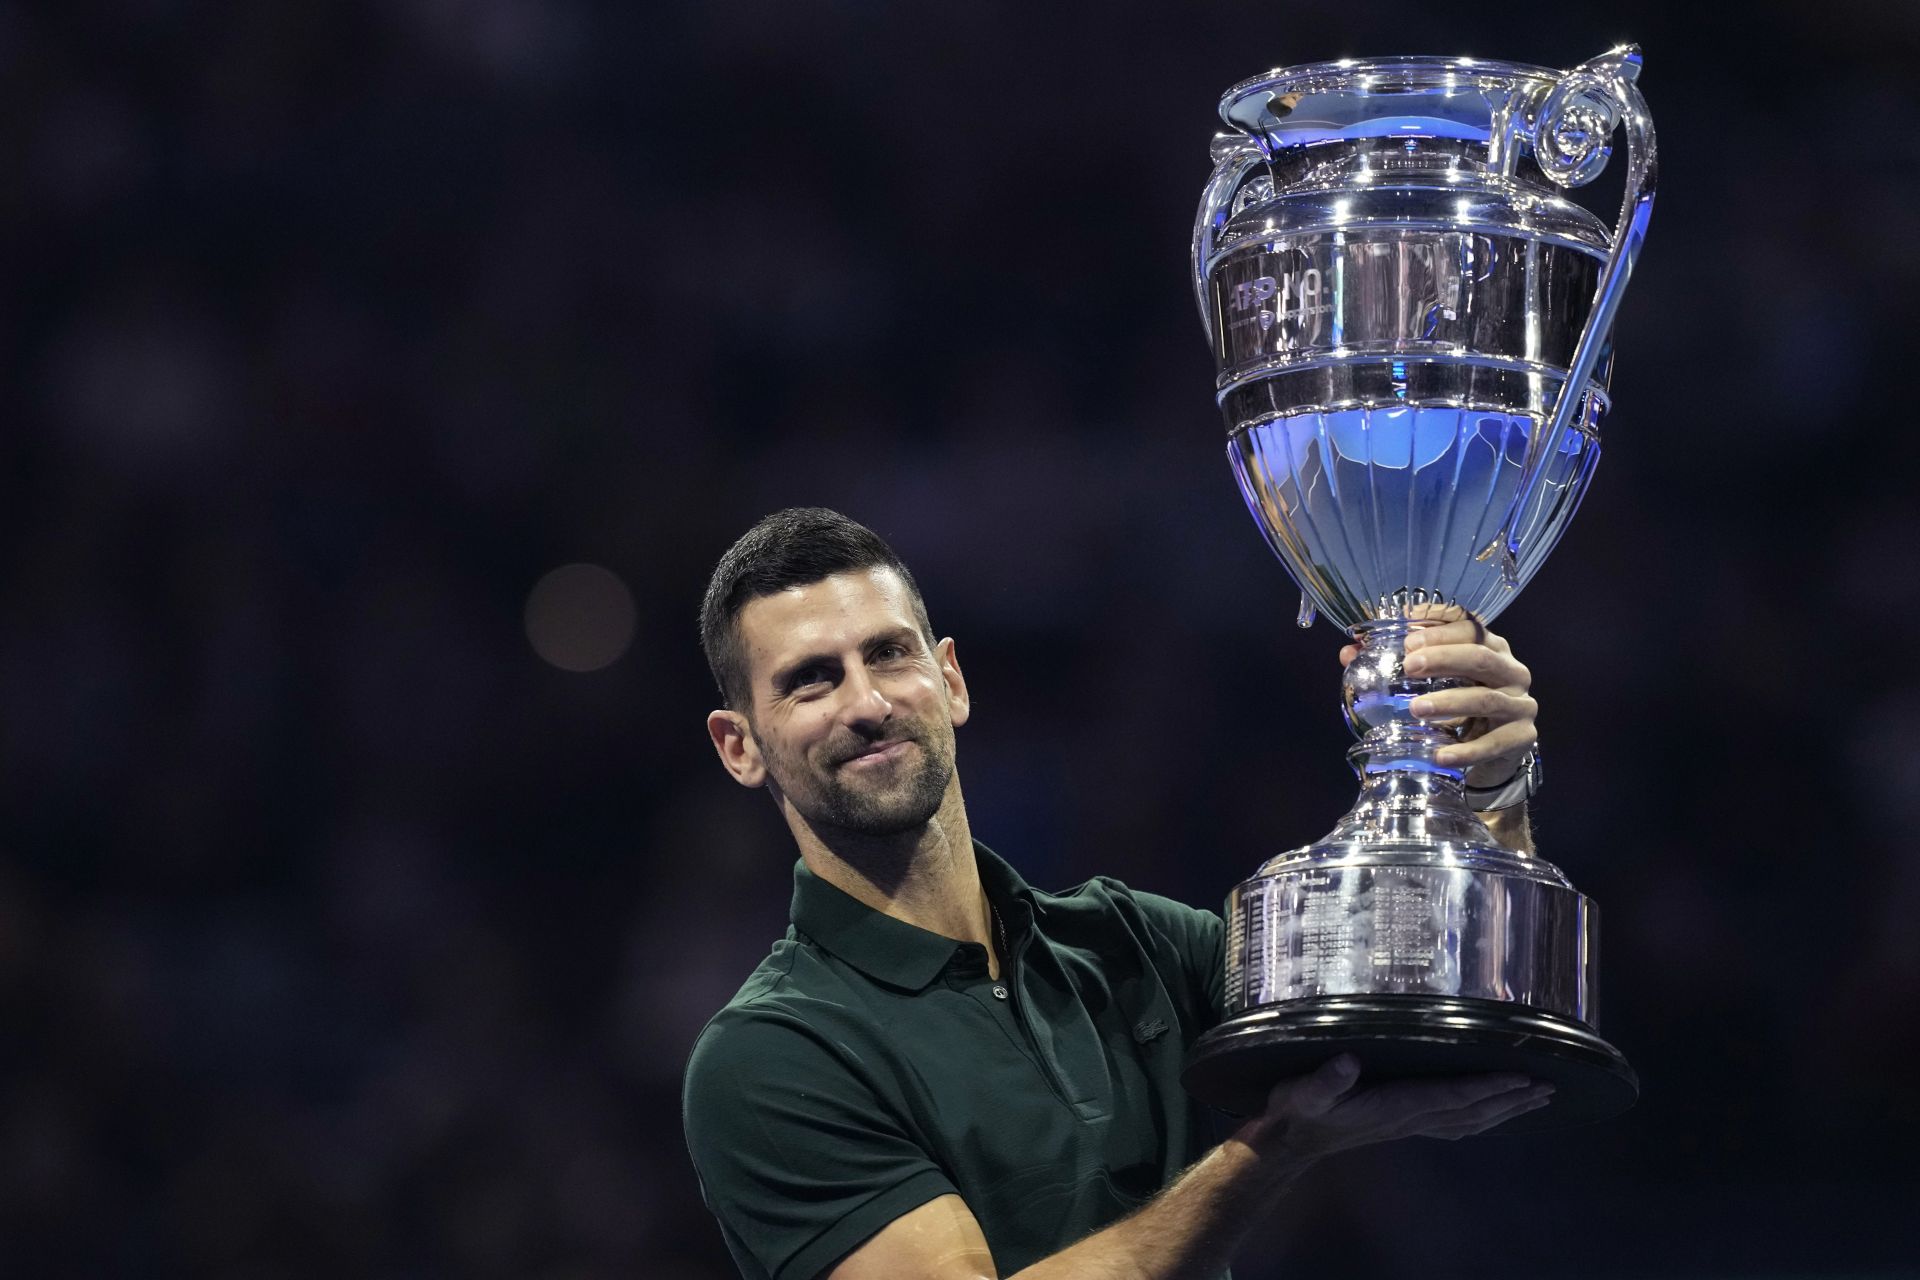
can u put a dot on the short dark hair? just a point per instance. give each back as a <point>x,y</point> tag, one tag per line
<point>790,548</point>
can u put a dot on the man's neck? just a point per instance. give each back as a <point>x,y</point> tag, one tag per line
<point>928,878</point>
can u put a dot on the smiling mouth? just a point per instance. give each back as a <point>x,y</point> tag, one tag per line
<point>878,753</point>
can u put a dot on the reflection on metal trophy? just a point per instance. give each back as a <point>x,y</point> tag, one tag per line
<point>1413,328</point>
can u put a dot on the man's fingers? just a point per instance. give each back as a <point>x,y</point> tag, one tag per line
<point>1501,740</point>
<point>1483,1111</point>
<point>1321,1113</point>
<point>1491,1114</point>
<point>1449,1093</point>
<point>1469,662</point>
<point>1496,705</point>
<point>1460,630</point>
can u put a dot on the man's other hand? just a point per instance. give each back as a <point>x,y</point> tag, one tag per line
<point>1316,1115</point>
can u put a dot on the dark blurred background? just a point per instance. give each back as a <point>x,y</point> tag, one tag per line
<point>384,379</point>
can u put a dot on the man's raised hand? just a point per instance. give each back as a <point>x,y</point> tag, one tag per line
<point>1495,710</point>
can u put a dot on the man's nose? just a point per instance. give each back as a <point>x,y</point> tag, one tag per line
<point>864,702</point>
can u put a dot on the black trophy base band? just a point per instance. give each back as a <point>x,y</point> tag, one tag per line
<point>1400,1037</point>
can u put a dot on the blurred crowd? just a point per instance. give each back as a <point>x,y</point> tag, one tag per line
<point>364,881</point>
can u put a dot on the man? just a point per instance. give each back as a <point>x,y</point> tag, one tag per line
<point>942,1073</point>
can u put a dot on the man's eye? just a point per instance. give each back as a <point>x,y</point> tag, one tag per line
<point>806,676</point>
<point>889,652</point>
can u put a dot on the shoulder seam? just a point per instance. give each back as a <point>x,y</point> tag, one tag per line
<point>734,1002</point>
<point>786,971</point>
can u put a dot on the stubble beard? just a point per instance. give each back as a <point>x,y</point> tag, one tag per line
<point>874,807</point>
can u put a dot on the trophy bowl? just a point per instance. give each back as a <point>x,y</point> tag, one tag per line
<point>1413,330</point>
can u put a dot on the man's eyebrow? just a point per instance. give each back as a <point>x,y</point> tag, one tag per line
<point>900,632</point>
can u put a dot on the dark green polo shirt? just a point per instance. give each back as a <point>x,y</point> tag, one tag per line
<point>868,1066</point>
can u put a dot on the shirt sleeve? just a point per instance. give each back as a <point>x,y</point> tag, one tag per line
<point>798,1158</point>
<point>1198,941</point>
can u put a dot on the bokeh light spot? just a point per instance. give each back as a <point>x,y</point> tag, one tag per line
<point>580,617</point>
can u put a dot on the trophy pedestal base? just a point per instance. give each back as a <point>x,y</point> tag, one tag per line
<point>1400,1037</point>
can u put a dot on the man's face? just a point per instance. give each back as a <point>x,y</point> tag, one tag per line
<point>852,715</point>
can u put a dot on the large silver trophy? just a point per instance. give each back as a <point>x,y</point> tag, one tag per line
<point>1413,326</point>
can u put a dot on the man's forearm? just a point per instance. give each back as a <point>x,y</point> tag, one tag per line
<point>1189,1231</point>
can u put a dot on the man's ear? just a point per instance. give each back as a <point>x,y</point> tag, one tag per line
<point>739,753</point>
<point>957,701</point>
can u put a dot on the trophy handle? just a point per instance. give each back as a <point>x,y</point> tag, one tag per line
<point>1571,141</point>
<point>1234,155</point>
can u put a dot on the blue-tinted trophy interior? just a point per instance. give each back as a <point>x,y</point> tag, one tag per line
<point>1365,489</point>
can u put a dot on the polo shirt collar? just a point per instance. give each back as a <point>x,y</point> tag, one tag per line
<point>886,948</point>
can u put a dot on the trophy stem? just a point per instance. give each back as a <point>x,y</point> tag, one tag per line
<point>1406,794</point>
